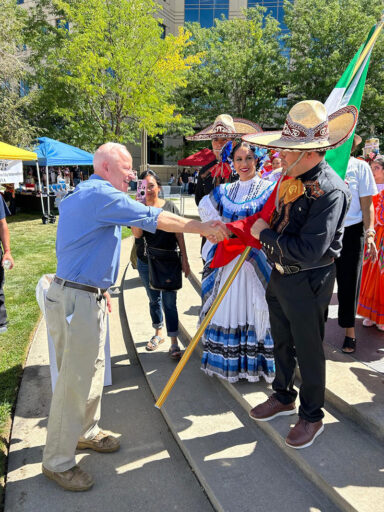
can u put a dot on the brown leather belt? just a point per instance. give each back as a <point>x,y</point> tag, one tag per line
<point>79,286</point>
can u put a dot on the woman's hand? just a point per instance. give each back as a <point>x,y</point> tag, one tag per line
<point>370,248</point>
<point>185,267</point>
<point>258,227</point>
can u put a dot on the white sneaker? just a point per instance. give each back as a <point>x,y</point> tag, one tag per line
<point>380,327</point>
<point>368,323</point>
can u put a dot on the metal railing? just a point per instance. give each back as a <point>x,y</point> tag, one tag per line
<point>174,192</point>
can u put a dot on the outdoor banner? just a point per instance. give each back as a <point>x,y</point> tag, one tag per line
<point>11,171</point>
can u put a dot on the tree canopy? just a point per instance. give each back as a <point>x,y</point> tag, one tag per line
<point>242,70</point>
<point>105,72</point>
<point>324,36</point>
<point>113,73</point>
<point>14,127</point>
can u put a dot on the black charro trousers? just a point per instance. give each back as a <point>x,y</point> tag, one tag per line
<point>298,306</point>
<point>348,273</point>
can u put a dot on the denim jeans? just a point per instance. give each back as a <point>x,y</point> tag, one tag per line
<point>159,301</point>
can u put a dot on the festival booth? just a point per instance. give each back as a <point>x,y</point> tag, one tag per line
<point>52,153</point>
<point>11,165</point>
<point>199,159</point>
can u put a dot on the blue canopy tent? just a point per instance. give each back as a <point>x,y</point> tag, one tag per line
<point>51,152</point>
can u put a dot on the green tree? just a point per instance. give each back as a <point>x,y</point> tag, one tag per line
<point>111,74</point>
<point>242,70</point>
<point>324,36</point>
<point>14,128</point>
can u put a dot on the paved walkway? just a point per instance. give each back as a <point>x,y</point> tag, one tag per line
<point>148,473</point>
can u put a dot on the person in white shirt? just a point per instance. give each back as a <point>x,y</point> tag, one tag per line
<point>359,225</point>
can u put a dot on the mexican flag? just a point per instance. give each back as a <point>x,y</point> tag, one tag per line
<point>349,91</point>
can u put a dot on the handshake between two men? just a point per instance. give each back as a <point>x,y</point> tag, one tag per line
<point>215,231</point>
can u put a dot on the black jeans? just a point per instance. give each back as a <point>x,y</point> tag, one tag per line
<point>348,274</point>
<point>298,306</point>
<point>3,312</point>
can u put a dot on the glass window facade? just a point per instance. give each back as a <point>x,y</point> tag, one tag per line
<point>274,8</point>
<point>205,11</point>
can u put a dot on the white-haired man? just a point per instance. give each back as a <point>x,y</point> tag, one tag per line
<point>88,252</point>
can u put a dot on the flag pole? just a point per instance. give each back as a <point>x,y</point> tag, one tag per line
<point>369,46</point>
<point>204,324</point>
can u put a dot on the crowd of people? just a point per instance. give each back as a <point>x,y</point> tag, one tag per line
<point>56,175</point>
<point>273,191</point>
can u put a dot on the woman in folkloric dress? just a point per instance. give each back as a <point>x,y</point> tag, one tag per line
<point>371,300</point>
<point>237,342</point>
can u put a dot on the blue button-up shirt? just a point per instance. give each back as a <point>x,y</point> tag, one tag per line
<point>89,231</point>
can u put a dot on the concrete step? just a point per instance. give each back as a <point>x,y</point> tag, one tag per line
<point>329,462</point>
<point>148,473</point>
<point>238,465</point>
<point>352,387</point>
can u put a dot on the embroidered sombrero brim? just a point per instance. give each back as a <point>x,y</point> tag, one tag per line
<point>341,125</point>
<point>242,127</point>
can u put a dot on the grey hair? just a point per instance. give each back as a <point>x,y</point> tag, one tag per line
<point>379,160</point>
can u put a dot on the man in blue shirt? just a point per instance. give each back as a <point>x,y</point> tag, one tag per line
<point>88,253</point>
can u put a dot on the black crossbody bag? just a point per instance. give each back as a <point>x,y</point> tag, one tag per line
<point>164,268</point>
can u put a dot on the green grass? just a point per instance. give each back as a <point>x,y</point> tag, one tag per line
<point>33,249</point>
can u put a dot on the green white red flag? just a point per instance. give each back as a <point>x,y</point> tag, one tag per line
<point>349,91</point>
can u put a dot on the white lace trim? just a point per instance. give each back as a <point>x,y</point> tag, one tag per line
<point>233,380</point>
<point>207,211</point>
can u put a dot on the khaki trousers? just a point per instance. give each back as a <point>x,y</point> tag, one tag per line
<point>79,344</point>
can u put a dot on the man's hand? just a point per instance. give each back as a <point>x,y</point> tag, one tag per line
<point>7,256</point>
<point>109,303</point>
<point>258,227</point>
<point>214,231</point>
<point>371,251</point>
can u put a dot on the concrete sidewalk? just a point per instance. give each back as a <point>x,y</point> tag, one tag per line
<point>241,466</point>
<point>148,473</point>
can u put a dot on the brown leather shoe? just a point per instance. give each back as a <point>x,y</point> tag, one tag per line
<point>304,433</point>
<point>270,409</point>
<point>74,479</point>
<point>103,443</point>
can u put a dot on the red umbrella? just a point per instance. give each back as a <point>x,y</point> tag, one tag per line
<point>202,157</point>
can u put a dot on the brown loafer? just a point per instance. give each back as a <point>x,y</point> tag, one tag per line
<point>74,479</point>
<point>103,443</point>
<point>270,409</point>
<point>304,433</point>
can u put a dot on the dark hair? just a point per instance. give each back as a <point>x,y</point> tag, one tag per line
<point>144,174</point>
<point>321,152</point>
<point>242,144</point>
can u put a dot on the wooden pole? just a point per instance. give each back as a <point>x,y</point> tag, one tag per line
<point>204,324</point>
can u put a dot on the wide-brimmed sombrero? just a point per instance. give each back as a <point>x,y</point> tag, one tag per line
<point>226,127</point>
<point>308,128</point>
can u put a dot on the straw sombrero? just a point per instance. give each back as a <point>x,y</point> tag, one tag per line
<point>226,127</point>
<point>308,128</point>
